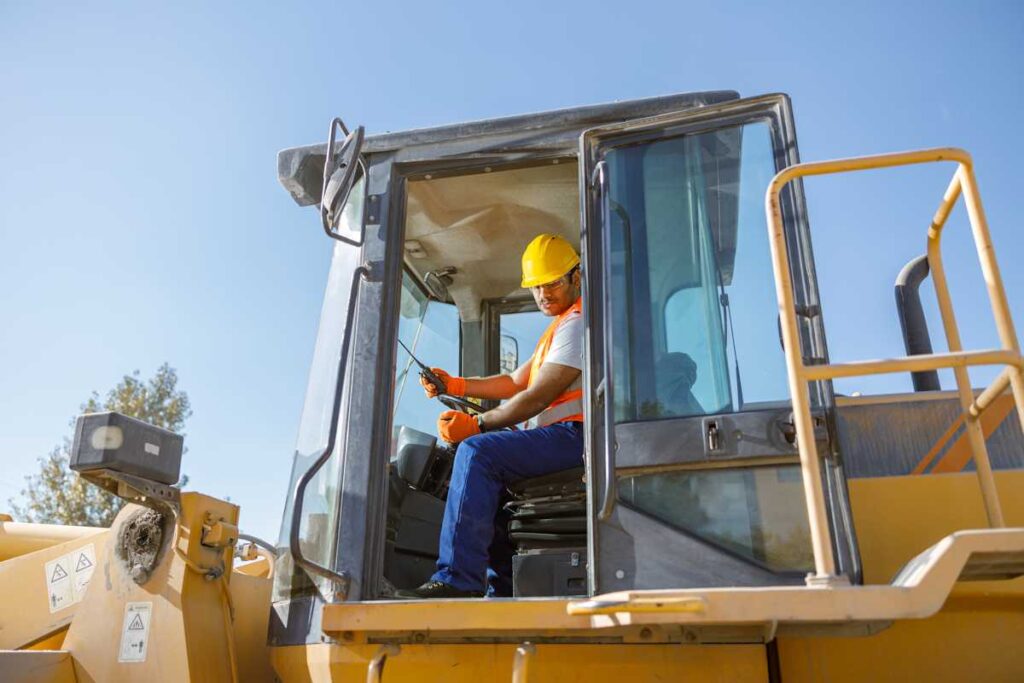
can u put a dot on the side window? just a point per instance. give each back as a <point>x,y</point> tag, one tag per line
<point>431,331</point>
<point>524,328</point>
<point>320,508</point>
<point>520,331</point>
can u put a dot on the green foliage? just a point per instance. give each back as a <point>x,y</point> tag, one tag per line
<point>56,495</point>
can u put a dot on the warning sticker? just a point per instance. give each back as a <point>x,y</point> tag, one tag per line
<point>84,561</point>
<point>59,588</point>
<point>68,576</point>
<point>58,573</point>
<point>135,632</point>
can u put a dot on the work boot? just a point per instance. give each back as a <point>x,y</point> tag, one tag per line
<point>437,589</point>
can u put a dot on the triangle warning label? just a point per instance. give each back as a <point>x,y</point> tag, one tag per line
<point>83,562</point>
<point>136,624</point>
<point>58,574</point>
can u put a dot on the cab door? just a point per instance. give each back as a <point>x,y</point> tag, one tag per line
<point>693,473</point>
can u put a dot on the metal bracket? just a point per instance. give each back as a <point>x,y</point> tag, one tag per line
<point>160,497</point>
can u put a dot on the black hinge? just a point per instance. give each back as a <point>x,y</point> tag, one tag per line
<point>373,204</point>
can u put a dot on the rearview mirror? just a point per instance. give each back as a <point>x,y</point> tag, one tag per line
<point>341,171</point>
<point>437,282</point>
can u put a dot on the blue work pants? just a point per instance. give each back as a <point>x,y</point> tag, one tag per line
<point>475,553</point>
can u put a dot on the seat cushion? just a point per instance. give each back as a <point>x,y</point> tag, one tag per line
<point>566,481</point>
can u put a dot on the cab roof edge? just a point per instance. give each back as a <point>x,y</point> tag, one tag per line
<point>300,169</point>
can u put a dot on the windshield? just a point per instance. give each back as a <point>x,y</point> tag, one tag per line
<point>431,331</point>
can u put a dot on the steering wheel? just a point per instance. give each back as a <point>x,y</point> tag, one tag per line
<point>468,407</point>
<point>459,404</point>
<point>463,406</point>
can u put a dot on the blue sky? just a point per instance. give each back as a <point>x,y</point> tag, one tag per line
<point>141,220</point>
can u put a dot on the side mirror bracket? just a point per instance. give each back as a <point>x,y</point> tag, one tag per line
<point>341,171</point>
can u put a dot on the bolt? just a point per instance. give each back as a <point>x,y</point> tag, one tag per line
<point>645,633</point>
<point>348,636</point>
<point>419,637</point>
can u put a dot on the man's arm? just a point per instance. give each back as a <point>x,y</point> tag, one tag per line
<point>498,387</point>
<point>552,381</point>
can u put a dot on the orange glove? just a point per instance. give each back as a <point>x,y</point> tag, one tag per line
<point>455,386</point>
<point>454,426</point>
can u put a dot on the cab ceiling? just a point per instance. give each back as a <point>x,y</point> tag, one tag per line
<point>480,223</point>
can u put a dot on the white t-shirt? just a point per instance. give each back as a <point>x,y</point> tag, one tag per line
<point>567,344</point>
<point>567,349</point>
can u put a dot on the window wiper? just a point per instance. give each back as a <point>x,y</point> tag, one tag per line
<point>728,328</point>
<point>405,371</point>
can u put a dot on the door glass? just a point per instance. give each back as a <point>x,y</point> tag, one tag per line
<point>694,316</point>
<point>431,331</point>
<point>758,513</point>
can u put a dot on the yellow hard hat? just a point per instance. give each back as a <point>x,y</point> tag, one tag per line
<point>547,258</point>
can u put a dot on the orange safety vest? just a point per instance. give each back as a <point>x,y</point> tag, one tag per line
<point>568,407</point>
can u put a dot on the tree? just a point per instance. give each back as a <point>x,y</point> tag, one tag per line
<point>56,495</point>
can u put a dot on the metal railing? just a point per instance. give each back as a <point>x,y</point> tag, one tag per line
<point>798,374</point>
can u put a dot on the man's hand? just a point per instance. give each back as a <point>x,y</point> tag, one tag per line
<point>455,427</point>
<point>454,386</point>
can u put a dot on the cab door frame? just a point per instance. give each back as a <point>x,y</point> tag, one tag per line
<point>606,513</point>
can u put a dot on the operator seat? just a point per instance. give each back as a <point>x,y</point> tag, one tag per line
<point>548,511</point>
<point>547,527</point>
<point>675,375</point>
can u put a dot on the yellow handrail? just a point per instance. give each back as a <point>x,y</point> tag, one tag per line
<point>798,375</point>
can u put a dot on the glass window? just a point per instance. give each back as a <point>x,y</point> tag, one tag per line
<point>431,331</point>
<point>320,506</point>
<point>526,328</point>
<point>694,327</point>
<point>757,513</point>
